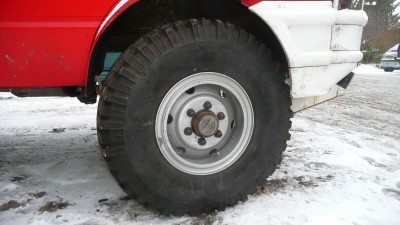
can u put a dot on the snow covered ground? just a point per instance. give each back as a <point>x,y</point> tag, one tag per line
<point>342,165</point>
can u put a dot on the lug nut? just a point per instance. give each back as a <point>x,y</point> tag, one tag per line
<point>220,115</point>
<point>191,112</point>
<point>188,131</point>
<point>202,141</point>
<point>218,134</point>
<point>207,105</point>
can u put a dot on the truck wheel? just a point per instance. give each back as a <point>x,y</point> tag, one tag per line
<point>193,117</point>
<point>388,69</point>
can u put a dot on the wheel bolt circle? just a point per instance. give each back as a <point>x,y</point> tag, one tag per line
<point>191,112</point>
<point>220,115</point>
<point>188,131</point>
<point>202,141</point>
<point>207,105</point>
<point>218,134</point>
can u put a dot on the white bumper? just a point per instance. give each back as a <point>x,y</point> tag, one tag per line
<point>322,44</point>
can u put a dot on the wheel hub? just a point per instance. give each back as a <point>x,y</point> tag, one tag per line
<point>205,123</point>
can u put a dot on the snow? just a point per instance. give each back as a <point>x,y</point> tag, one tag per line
<point>341,166</point>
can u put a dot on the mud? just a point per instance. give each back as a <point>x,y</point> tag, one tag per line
<point>12,204</point>
<point>53,206</point>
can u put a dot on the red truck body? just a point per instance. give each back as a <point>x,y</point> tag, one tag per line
<point>48,43</point>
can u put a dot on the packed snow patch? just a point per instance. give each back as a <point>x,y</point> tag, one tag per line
<point>341,166</point>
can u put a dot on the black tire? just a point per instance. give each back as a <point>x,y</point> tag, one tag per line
<point>388,69</point>
<point>140,79</point>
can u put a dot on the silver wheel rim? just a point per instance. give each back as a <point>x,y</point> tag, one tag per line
<point>205,141</point>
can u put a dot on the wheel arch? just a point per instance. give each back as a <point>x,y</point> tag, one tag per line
<point>130,19</point>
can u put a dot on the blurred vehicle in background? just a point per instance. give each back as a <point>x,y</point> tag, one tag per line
<point>388,61</point>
